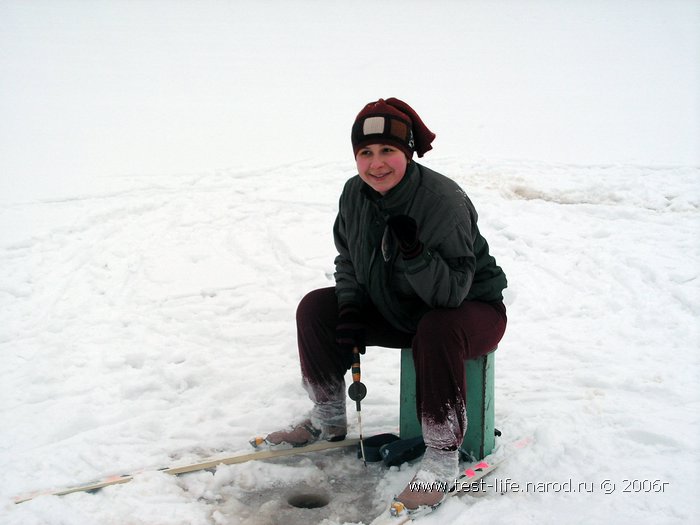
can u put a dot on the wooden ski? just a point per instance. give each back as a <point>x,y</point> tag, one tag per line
<point>193,467</point>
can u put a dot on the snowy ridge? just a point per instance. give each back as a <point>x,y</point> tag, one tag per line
<point>155,322</point>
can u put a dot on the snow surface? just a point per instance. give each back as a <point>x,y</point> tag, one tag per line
<point>169,176</point>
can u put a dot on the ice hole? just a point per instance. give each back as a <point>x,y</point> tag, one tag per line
<point>308,501</point>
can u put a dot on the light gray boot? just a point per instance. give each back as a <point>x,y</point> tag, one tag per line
<point>436,475</point>
<point>328,421</point>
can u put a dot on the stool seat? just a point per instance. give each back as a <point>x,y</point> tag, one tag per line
<point>480,438</point>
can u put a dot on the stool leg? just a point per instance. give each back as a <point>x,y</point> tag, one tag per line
<point>409,424</point>
<point>480,437</point>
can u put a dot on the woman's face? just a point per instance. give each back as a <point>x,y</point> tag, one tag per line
<point>381,166</point>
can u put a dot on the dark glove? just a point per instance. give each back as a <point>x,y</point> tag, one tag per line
<point>350,331</point>
<point>406,231</point>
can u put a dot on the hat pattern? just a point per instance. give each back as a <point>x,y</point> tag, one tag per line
<point>392,122</point>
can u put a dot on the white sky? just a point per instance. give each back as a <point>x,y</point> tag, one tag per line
<point>95,89</point>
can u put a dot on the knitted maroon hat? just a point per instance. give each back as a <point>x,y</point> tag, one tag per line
<point>393,122</point>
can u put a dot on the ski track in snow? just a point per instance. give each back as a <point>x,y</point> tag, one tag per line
<point>154,324</point>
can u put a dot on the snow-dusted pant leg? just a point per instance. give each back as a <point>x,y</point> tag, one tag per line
<point>444,340</point>
<point>323,364</point>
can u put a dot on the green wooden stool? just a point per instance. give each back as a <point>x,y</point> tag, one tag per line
<point>480,438</point>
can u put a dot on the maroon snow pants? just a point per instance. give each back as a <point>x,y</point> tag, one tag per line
<point>445,338</point>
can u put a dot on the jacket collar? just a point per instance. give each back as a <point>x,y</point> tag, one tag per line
<point>398,198</point>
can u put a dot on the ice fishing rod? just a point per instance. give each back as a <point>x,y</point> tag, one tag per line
<point>357,392</point>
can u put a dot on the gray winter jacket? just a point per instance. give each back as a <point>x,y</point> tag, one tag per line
<point>454,266</point>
